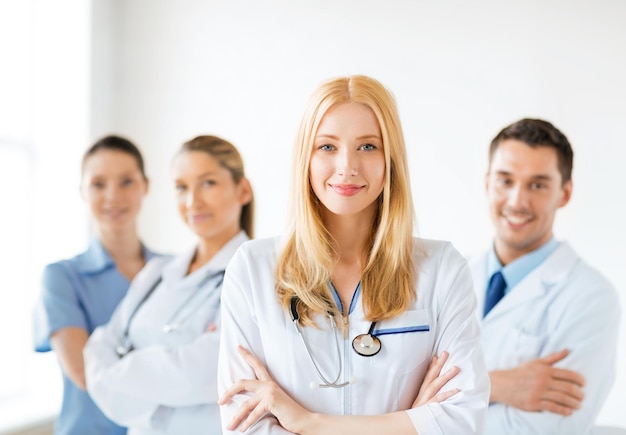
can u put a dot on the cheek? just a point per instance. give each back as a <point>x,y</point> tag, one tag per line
<point>318,171</point>
<point>181,206</point>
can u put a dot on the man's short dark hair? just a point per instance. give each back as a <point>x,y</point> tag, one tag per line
<point>538,133</point>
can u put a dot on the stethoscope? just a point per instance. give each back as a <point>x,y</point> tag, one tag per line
<point>363,344</point>
<point>173,323</point>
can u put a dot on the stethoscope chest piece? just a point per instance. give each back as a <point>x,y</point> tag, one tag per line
<point>366,344</point>
<point>124,349</point>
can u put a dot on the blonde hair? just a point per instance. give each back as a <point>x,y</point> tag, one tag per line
<point>306,262</point>
<point>229,158</point>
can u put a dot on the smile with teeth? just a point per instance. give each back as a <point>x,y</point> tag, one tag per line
<point>517,219</point>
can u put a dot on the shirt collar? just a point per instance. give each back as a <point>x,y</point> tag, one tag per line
<point>177,269</point>
<point>517,270</point>
<point>96,259</point>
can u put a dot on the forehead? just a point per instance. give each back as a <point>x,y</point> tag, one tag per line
<point>195,163</point>
<point>349,119</point>
<point>519,159</point>
<point>106,161</point>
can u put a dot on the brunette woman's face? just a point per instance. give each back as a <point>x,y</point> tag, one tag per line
<point>209,200</point>
<point>114,187</point>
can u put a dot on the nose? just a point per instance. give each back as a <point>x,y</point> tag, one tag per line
<point>190,198</point>
<point>347,163</point>
<point>111,192</point>
<point>517,197</point>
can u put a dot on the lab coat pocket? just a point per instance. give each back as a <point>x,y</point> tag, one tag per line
<point>528,346</point>
<point>407,340</point>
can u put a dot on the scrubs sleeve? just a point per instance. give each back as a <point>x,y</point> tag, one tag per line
<point>239,327</point>
<point>588,328</point>
<point>458,334</point>
<point>59,305</point>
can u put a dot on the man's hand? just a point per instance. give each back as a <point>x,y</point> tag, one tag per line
<point>538,386</point>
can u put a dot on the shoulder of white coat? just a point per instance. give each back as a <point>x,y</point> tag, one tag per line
<point>259,249</point>
<point>150,272</point>
<point>585,279</point>
<point>428,251</point>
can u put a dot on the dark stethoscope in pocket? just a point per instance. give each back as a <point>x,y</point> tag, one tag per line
<point>171,325</point>
<point>363,344</point>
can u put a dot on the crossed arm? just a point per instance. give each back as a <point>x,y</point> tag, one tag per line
<point>539,386</point>
<point>268,397</point>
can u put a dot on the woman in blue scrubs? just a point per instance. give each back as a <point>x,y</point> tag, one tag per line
<point>80,293</point>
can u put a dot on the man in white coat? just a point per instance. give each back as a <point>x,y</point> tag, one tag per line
<point>549,320</point>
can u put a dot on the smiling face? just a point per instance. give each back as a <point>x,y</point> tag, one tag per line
<point>113,186</point>
<point>524,189</point>
<point>347,167</point>
<point>209,200</point>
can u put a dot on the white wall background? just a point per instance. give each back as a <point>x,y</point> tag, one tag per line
<point>165,71</point>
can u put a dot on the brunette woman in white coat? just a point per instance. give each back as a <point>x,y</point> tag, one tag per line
<point>339,322</point>
<point>153,367</point>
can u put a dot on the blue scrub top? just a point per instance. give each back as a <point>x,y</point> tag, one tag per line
<point>82,292</point>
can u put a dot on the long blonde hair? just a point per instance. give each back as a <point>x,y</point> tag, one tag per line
<point>229,158</point>
<point>307,259</point>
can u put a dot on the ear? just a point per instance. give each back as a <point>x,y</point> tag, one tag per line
<point>567,193</point>
<point>147,188</point>
<point>487,181</point>
<point>245,191</point>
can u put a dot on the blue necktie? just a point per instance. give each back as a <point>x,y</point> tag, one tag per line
<point>495,292</point>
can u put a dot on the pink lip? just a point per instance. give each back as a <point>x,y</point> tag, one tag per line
<point>346,189</point>
<point>115,213</point>
<point>195,218</point>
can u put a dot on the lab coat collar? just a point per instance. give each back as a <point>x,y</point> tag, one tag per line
<point>96,259</point>
<point>176,270</point>
<point>543,279</point>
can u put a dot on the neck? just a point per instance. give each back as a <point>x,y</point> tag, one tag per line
<point>122,246</point>
<point>507,253</point>
<point>351,235</point>
<point>208,247</point>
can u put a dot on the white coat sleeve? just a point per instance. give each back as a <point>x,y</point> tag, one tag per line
<point>458,333</point>
<point>99,356</point>
<point>131,389</point>
<point>588,328</point>
<point>239,327</point>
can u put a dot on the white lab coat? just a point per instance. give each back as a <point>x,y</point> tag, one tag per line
<point>563,303</point>
<point>167,385</point>
<point>386,382</point>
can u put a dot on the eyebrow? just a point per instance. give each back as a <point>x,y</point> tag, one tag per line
<point>539,177</point>
<point>206,174</point>
<point>199,177</point>
<point>332,136</point>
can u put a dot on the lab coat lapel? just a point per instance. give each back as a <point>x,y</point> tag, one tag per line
<point>542,279</point>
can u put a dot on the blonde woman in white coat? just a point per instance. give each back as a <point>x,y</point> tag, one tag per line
<point>153,367</point>
<point>351,303</point>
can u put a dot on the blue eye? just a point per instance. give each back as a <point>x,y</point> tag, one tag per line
<point>326,147</point>
<point>209,183</point>
<point>127,181</point>
<point>368,147</point>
